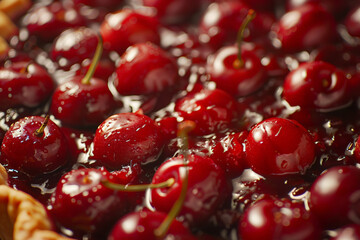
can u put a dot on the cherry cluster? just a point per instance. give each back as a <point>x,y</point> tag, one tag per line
<point>179,119</point>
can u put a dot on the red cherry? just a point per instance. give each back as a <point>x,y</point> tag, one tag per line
<point>82,105</point>
<point>221,21</point>
<point>336,7</point>
<point>278,219</point>
<point>125,138</point>
<point>349,232</point>
<point>334,196</point>
<point>305,27</point>
<point>141,225</point>
<point>145,68</point>
<point>127,27</point>
<point>173,11</point>
<point>84,205</point>
<point>206,190</point>
<point>74,46</point>
<point>29,150</point>
<point>317,85</point>
<point>352,22</point>
<point>211,110</point>
<point>279,146</point>
<point>47,22</point>
<point>238,81</point>
<point>24,83</point>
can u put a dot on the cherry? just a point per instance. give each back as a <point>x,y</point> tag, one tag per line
<point>74,46</point>
<point>82,204</point>
<point>127,137</point>
<point>279,146</point>
<point>336,7</point>
<point>221,30</point>
<point>206,187</point>
<point>237,81</point>
<point>173,11</point>
<point>349,232</point>
<point>127,27</point>
<point>295,29</point>
<point>34,145</point>
<point>211,110</point>
<point>278,219</point>
<point>47,22</point>
<point>352,22</point>
<point>267,5</point>
<point>334,196</point>
<point>145,68</point>
<point>228,153</point>
<point>83,101</point>
<point>141,225</point>
<point>110,4</point>
<point>317,85</point>
<point>25,84</point>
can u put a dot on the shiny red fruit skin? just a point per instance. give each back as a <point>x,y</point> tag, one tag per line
<point>352,22</point>
<point>305,27</point>
<point>25,84</point>
<point>237,82</point>
<point>82,105</point>
<point>111,4</point>
<point>47,22</point>
<point>336,7</point>
<point>348,232</point>
<point>74,46</point>
<point>127,27</point>
<point>207,187</point>
<point>278,220</point>
<point>141,225</point>
<point>334,196</point>
<point>84,205</point>
<point>145,68</point>
<point>211,110</point>
<point>127,137</point>
<point>279,146</point>
<point>34,155</point>
<point>317,85</point>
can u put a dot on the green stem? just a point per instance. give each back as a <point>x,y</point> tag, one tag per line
<point>39,132</point>
<point>138,188</point>
<point>94,62</point>
<point>239,63</point>
<point>183,129</point>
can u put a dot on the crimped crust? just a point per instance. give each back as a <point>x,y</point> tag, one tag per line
<point>21,216</point>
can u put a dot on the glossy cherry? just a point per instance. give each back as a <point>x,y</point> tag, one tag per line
<point>317,85</point>
<point>279,146</point>
<point>237,81</point>
<point>127,27</point>
<point>336,7</point>
<point>352,22</point>
<point>206,190</point>
<point>349,232</point>
<point>74,46</point>
<point>34,145</point>
<point>173,11</point>
<point>127,137</point>
<point>221,21</point>
<point>47,22</point>
<point>334,196</point>
<point>145,68</point>
<point>82,204</point>
<point>211,110</point>
<point>141,225</point>
<point>305,27</point>
<point>278,219</point>
<point>24,84</point>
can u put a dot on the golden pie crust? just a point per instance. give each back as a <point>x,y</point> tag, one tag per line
<point>21,216</point>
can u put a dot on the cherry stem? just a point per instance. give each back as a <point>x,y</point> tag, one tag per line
<point>39,132</point>
<point>183,129</point>
<point>94,62</point>
<point>138,188</point>
<point>239,63</point>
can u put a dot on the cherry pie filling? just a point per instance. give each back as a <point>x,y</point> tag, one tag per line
<point>274,152</point>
